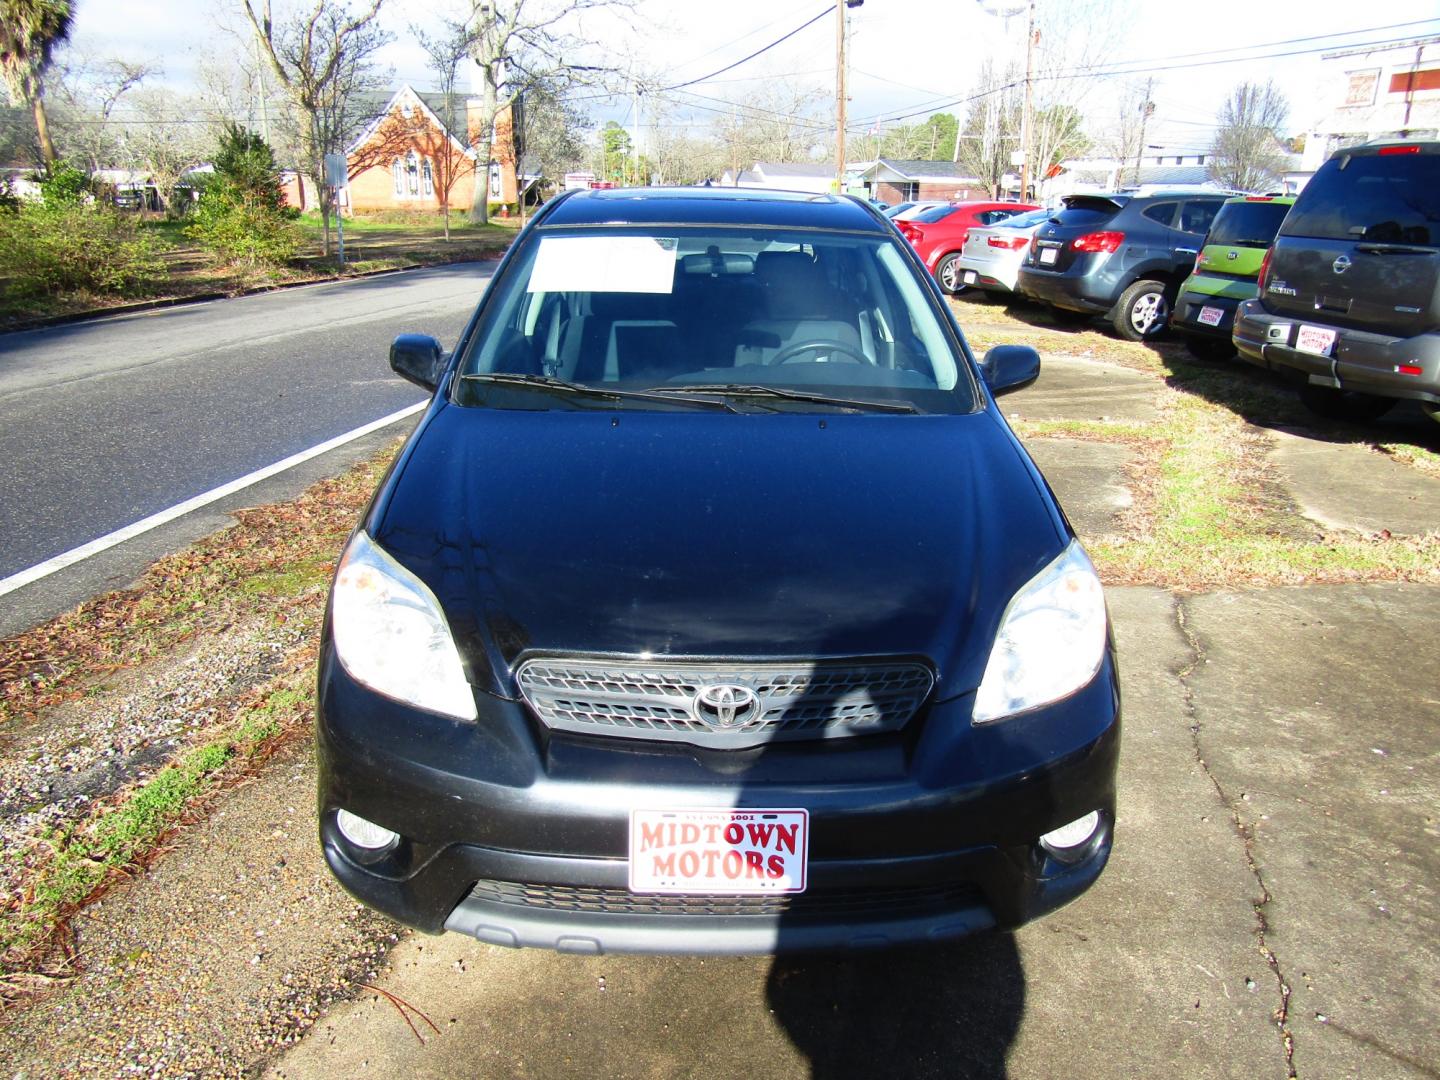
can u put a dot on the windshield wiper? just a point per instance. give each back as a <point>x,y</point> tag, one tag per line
<point>756,390</point>
<point>561,386</point>
<point>1376,247</point>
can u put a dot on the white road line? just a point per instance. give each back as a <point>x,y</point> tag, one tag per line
<point>154,521</point>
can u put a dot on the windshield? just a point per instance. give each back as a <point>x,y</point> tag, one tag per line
<point>1023,221</point>
<point>665,316</point>
<point>934,214</point>
<point>1247,224</point>
<point>1390,199</point>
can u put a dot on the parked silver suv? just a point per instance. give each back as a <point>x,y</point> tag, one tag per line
<point>1350,292</point>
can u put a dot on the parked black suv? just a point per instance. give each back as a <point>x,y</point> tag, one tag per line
<point>1350,292</point>
<point>1121,256</point>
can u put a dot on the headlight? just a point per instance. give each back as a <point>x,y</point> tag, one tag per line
<point>1050,642</point>
<point>391,635</point>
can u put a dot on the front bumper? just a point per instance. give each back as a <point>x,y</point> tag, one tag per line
<point>518,836</point>
<point>1362,361</point>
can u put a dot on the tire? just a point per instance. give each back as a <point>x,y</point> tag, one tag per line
<point>1335,404</point>
<point>1432,410</point>
<point>1209,349</point>
<point>1143,311</point>
<point>948,275</point>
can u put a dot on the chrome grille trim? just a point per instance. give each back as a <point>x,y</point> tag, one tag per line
<point>773,700</point>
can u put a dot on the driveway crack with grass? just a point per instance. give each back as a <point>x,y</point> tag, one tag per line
<point>1243,830</point>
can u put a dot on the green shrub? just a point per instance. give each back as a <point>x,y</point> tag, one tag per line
<point>241,216</point>
<point>63,185</point>
<point>241,227</point>
<point>60,247</point>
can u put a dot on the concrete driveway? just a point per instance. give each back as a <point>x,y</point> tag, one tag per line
<point>1270,910</point>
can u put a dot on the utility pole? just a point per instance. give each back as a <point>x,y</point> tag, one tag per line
<point>1025,113</point>
<point>1147,108</point>
<point>839,95</point>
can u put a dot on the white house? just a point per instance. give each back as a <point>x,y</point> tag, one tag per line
<point>1370,94</point>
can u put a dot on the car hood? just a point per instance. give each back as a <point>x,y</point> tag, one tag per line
<point>715,534</point>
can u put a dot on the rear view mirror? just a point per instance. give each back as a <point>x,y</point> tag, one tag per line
<point>419,358</point>
<point>1010,367</point>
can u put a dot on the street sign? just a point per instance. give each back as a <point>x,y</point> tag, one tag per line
<point>337,170</point>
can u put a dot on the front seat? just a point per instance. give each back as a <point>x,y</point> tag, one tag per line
<point>799,306</point>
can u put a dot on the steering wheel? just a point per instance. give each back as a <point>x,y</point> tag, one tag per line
<point>853,355</point>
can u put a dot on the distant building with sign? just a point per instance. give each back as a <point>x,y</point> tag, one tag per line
<point>1372,94</point>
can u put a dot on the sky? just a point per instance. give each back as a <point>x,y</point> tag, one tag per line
<point>906,56</point>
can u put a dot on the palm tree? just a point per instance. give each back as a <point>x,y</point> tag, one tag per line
<point>29,32</point>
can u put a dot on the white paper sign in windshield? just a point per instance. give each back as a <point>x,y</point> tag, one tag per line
<point>633,264</point>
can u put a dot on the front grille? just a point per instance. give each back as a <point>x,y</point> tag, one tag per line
<point>817,903</point>
<point>720,705</point>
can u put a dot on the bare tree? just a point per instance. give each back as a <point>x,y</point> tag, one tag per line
<point>447,51</point>
<point>87,128</point>
<point>992,126</point>
<point>321,62</point>
<point>519,43</point>
<point>781,121</point>
<point>1247,154</point>
<point>162,141</point>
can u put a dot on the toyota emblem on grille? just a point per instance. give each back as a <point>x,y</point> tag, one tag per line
<point>1341,264</point>
<point>725,705</point>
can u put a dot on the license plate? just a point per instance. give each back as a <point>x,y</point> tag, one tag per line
<point>1211,316</point>
<point>1048,255</point>
<point>969,277</point>
<point>1315,339</point>
<point>719,851</point>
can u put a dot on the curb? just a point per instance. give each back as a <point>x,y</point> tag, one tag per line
<point>48,321</point>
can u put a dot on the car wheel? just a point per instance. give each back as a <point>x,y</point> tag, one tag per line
<point>1143,311</point>
<point>1336,404</point>
<point>947,273</point>
<point>1211,349</point>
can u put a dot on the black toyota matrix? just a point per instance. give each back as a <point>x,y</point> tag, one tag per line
<point>713,607</point>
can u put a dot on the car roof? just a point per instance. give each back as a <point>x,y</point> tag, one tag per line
<point>713,206</point>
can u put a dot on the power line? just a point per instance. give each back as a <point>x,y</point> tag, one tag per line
<point>1094,73</point>
<point>747,59</point>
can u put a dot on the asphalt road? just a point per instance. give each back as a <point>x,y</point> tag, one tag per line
<point>105,422</point>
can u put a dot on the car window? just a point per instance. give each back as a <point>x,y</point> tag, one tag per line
<point>1393,199</point>
<point>935,213</point>
<point>989,217</point>
<point>1163,213</point>
<point>1195,217</point>
<point>636,308</point>
<point>1247,224</point>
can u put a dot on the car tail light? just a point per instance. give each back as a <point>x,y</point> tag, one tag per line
<point>1386,151</point>
<point>1099,241</point>
<point>1264,278</point>
<point>1009,243</point>
<point>1259,198</point>
<point>1199,262</point>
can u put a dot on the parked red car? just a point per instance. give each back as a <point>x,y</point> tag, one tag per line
<point>939,233</point>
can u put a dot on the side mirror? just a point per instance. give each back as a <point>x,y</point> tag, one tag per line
<point>419,358</point>
<point>1010,367</point>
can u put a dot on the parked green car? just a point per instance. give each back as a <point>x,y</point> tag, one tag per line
<point>1226,271</point>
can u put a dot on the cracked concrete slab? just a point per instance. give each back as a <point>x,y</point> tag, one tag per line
<point>1344,486</point>
<point>1089,479</point>
<point>1319,719</point>
<point>1071,388</point>
<point>1154,972</point>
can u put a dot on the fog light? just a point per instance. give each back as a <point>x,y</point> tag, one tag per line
<point>1064,840</point>
<point>365,834</point>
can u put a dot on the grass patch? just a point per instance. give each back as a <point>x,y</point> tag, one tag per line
<point>72,866</point>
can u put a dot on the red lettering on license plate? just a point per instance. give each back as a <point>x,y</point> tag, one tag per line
<point>718,851</point>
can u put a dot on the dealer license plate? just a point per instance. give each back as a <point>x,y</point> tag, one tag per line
<point>1049,255</point>
<point>969,277</point>
<point>1315,339</point>
<point>719,851</point>
<point>1211,316</point>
